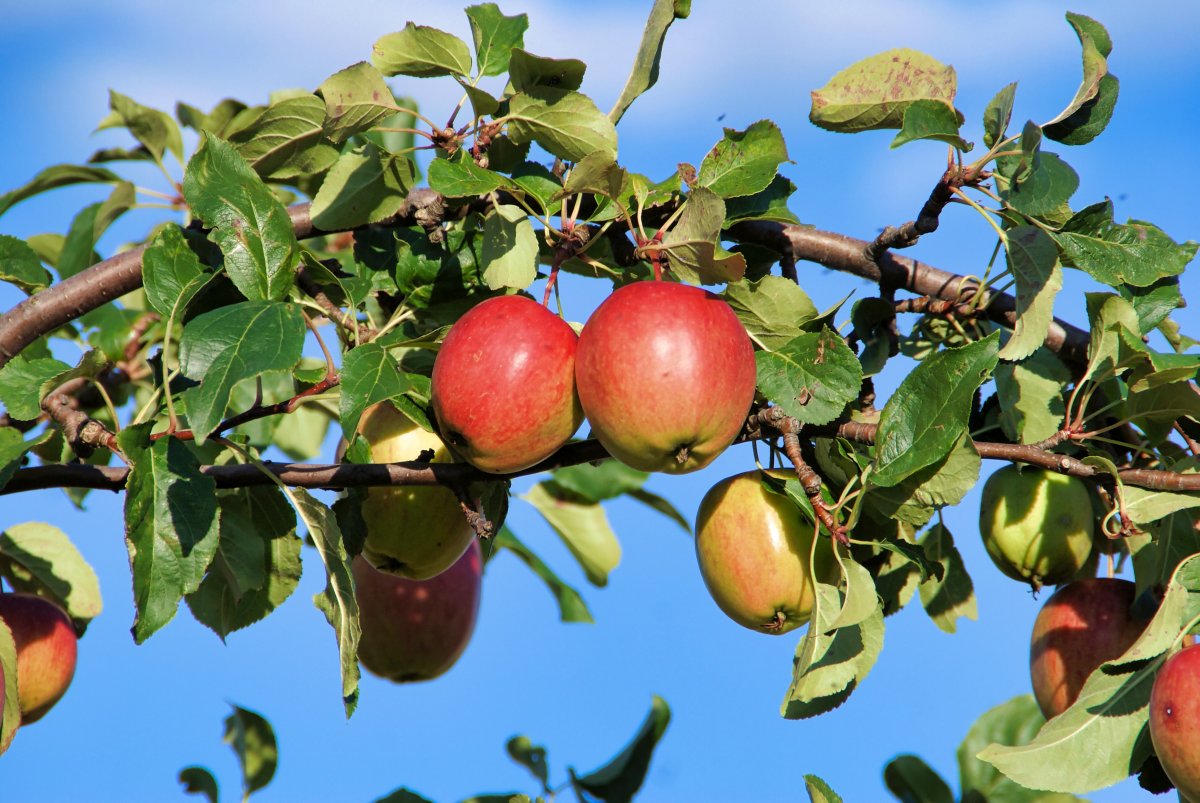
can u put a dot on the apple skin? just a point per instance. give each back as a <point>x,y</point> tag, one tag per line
<point>1175,720</point>
<point>666,376</point>
<point>416,629</point>
<point>753,549</point>
<point>504,384</point>
<point>46,652</point>
<point>414,532</point>
<point>1082,625</point>
<point>1036,525</point>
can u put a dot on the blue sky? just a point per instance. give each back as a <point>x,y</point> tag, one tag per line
<point>136,715</point>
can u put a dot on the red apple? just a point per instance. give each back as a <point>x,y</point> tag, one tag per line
<point>666,376</point>
<point>46,651</point>
<point>416,532</point>
<point>504,384</point>
<point>753,547</point>
<point>417,629</point>
<point>1175,721</point>
<point>1082,625</point>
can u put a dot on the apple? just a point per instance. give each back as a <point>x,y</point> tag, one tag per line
<point>416,629</point>
<point>1036,524</point>
<point>504,384</point>
<point>46,651</point>
<point>1175,720</point>
<point>416,532</point>
<point>753,546</point>
<point>1082,625</point>
<point>666,376</point>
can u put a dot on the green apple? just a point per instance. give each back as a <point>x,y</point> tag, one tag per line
<point>753,546</point>
<point>46,652</point>
<point>415,532</point>
<point>1037,525</point>
<point>417,629</point>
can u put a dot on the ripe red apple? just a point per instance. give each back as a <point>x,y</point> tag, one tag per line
<point>1036,524</point>
<point>1175,720</point>
<point>504,384</point>
<point>753,547</point>
<point>666,376</point>
<point>415,532</point>
<point>1082,625</point>
<point>46,651</point>
<point>417,629</point>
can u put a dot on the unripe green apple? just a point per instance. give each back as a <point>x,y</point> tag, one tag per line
<point>1175,721</point>
<point>504,384</point>
<point>1082,625</point>
<point>1037,525</point>
<point>417,629</point>
<point>666,376</point>
<point>46,652</point>
<point>412,531</point>
<point>753,547</point>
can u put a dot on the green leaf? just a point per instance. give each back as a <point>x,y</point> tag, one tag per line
<point>1101,738</point>
<point>946,482</point>
<point>1108,315</point>
<point>356,98</point>
<point>287,140</point>
<point>1044,193</point>
<point>510,248</point>
<point>931,119</point>
<point>952,596</point>
<point>170,525</point>
<point>253,740</point>
<point>829,664</point>
<point>1031,396</point>
<point>153,128</point>
<point>911,780</point>
<point>530,756</point>
<point>596,483</point>
<point>257,565</point>
<point>1136,253</point>
<point>1033,262</point>
<point>744,162</point>
<point>248,223</point>
<point>21,381</point>
<point>231,344</point>
<point>422,52</point>
<point>20,265</point>
<point>768,204</point>
<point>875,92</point>
<point>1146,506</point>
<point>56,176</point>
<point>596,173</point>
<point>859,600</point>
<point>571,607</point>
<point>34,556</point>
<point>1096,46</point>
<point>644,73</point>
<point>461,177</point>
<point>694,242</point>
<point>199,781</point>
<point>369,375</point>
<point>619,780</point>
<point>214,121</point>
<point>656,502</point>
<point>1089,120</point>
<point>928,413</point>
<point>773,309</point>
<point>337,600</point>
<point>527,71</point>
<point>79,248</point>
<point>482,103</point>
<point>819,791</point>
<point>171,273</point>
<point>365,185</point>
<point>404,795</point>
<point>494,36</point>
<point>1165,544</point>
<point>13,449</point>
<point>564,122</point>
<point>998,114</point>
<point>1013,723</point>
<point>583,527</point>
<point>10,712</point>
<point>812,377</point>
